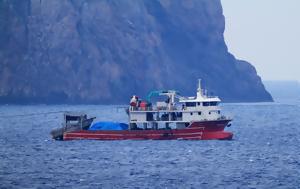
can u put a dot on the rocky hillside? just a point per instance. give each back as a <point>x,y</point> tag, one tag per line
<point>103,51</point>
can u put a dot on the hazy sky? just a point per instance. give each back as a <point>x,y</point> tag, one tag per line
<point>267,34</point>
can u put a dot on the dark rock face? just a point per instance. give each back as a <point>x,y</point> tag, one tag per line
<point>88,51</point>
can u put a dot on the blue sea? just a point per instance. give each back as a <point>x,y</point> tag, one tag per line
<point>265,152</point>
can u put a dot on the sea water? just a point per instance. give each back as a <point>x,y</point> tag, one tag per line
<point>265,152</point>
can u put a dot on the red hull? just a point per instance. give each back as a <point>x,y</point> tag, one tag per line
<point>207,130</point>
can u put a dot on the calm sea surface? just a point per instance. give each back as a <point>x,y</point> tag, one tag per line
<point>265,152</point>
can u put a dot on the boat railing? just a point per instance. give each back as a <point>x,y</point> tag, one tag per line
<point>141,108</point>
<point>153,109</point>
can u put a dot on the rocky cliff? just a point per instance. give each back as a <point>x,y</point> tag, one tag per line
<point>103,51</point>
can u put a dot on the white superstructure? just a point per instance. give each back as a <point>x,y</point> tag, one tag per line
<point>201,107</point>
<point>177,110</point>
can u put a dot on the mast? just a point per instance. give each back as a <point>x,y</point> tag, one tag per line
<point>199,90</point>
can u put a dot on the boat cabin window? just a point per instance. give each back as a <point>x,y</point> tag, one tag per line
<point>190,104</point>
<point>199,113</point>
<point>210,103</point>
<point>213,103</point>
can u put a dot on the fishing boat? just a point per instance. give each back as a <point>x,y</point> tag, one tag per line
<point>73,121</point>
<point>169,117</point>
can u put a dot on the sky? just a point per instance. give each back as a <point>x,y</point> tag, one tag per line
<point>265,33</point>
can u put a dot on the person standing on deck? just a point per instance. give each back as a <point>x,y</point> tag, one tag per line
<point>133,102</point>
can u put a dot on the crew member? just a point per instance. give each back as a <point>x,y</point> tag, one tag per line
<point>133,102</point>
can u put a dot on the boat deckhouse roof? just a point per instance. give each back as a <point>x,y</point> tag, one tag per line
<point>201,96</point>
<point>201,99</point>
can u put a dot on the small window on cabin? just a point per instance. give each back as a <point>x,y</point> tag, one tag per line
<point>219,112</point>
<point>209,113</point>
<point>190,104</point>
<point>213,103</point>
<point>205,103</point>
<point>199,113</point>
<point>198,103</point>
<point>191,113</point>
<point>210,103</point>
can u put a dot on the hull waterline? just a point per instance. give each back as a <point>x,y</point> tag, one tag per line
<point>208,130</point>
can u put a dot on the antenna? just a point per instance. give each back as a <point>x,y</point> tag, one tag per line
<point>199,84</point>
<point>199,90</point>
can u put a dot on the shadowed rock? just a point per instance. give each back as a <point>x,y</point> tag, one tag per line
<point>86,51</point>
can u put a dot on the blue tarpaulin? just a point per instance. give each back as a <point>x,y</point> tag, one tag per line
<point>105,125</point>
